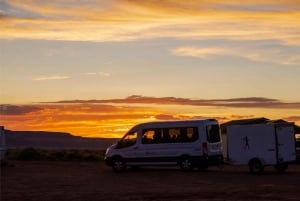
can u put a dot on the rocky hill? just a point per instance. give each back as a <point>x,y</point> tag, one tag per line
<point>53,140</point>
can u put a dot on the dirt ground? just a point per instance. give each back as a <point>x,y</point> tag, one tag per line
<point>91,181</point>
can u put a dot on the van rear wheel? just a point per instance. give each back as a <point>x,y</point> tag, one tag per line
<point>185,164</point>
<point>118,164</point>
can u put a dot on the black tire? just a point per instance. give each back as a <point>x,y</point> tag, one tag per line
<point>118,164</point>
<point>256,166</point>
<point>281,168</point>
<point>185,164</point>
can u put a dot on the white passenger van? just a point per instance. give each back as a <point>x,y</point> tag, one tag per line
<point>189,144</point>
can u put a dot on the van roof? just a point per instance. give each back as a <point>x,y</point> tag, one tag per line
<point>178,122</point>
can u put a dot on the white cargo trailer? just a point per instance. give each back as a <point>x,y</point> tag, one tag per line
<point>260,145</point>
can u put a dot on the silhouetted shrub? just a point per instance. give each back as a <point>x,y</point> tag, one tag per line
<point>3,163</point>
<point>58,155</point>
<point>54,155</point>
<point>30,154</point>
<point>74,155</point>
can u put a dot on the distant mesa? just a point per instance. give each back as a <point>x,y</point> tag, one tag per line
<point>53,140</point>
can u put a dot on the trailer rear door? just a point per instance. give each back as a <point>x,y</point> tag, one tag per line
<point>285,143</point>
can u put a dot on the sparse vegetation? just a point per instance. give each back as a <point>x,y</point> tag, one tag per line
<point>3,163</point>
<point>30,154</point>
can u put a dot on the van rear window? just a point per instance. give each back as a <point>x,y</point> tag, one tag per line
<point>213,133</point>
<point>169,135</point>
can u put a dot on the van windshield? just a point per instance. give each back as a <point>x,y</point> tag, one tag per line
<point>128,140</point>
<point>213,133</point>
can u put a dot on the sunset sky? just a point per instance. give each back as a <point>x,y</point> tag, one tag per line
<point>95,68</point>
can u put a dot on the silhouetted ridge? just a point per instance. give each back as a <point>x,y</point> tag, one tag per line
<point>53,140</point>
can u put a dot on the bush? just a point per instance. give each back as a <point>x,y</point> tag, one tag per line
<point>3,163</point>
<point>30,154</point>
<point>54,155</point>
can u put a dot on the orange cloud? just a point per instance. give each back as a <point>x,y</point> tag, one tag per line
<point>270,55</point>
<point>292,118</point>
<point>113,117</point>
<point>79,119</point>
<point>18,109</point>
<point>248,102</point>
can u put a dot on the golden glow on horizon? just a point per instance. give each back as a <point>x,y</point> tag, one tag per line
<point>97,120</point>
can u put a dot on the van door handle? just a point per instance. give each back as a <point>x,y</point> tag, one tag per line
<point>271,149</point>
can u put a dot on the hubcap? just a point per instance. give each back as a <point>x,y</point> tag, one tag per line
<point>119,165</point>
<point>186,164</point>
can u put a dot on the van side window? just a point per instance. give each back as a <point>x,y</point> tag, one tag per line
<point>151,136</point>
<point>148,136</point>
<point>192,134</point>
<point>128,140</point>
<point>169,135</point>
<point>174,133</point>
<point>213,133</point>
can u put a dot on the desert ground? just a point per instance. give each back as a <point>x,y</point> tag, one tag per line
<point>91,181</point>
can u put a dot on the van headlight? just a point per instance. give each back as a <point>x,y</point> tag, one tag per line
<point>107,150</point>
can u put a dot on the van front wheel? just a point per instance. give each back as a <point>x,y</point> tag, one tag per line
<point>185,164</point>
<point>118,164</point>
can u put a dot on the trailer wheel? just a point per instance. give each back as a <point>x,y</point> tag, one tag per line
<point>185,164</point>
<point>118,164</point>
<point>256,167</point>
<point>281,167</point>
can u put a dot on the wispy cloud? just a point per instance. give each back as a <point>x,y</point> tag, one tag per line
<point>55,77</point>
<point>102,74</point>
<point>186,117</point>
<point>200,52</point>
<point>125,20</point>
<point>248,102</point>
<point>266,5</point>
<point>18,109</point>
<point>259,54</point>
